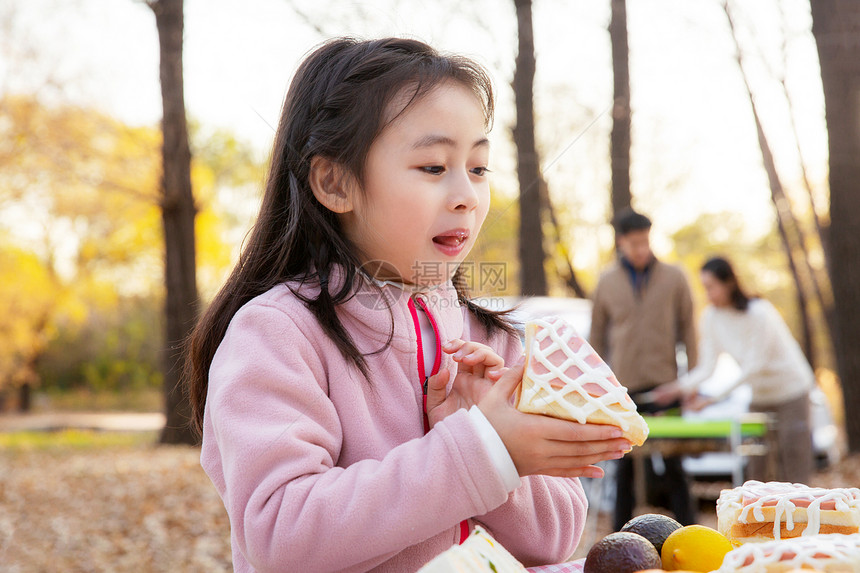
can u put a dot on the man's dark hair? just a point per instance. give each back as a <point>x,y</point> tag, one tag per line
<point>627,220</point>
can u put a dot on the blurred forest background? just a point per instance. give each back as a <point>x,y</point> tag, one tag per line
<point>134,137</point>
<point>128,182</point>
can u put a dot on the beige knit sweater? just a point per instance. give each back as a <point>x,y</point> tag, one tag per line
<point>637,335</point>
<point>770,359</point>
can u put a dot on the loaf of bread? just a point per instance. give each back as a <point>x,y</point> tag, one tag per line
<point>758,511</point>
<point>565,378</point>
<point>832,552</point>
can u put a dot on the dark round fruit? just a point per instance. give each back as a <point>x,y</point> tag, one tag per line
<point>622,552</point>
<point>653,527</point>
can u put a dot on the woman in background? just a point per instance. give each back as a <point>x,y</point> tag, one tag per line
<point>751,330</point>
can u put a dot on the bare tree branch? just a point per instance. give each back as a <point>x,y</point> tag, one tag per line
<point>784,214</point>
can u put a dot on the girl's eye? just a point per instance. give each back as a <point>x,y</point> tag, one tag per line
<point>480,171</point>
<point>433,169</point>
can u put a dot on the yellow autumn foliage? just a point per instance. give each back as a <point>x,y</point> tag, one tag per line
<point>81,221</point>
<point>28,298</point>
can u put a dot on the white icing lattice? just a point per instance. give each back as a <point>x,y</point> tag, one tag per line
<point>816,552</point>
<point>563,338</point>
<point>785,498</point>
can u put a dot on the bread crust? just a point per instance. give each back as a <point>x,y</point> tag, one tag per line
<point>764,530</point>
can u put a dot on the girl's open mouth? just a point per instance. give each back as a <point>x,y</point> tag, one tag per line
<point>451,242</point>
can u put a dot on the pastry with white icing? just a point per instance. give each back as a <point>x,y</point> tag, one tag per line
<point>565,378</point>
<point>832,552</point>
<point>479,553</point>
<point>758,511</point>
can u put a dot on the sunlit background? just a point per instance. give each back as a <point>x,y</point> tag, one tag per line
<point>81,246</point>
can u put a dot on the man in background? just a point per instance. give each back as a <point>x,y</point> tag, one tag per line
<point>642,310</point>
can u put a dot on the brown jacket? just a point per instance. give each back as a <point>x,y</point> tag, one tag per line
<point>637,335</point>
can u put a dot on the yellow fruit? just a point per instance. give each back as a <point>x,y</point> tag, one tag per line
<point>695,548</point>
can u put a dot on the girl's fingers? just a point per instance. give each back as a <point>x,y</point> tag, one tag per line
<point>453,345</point>
<point>566,464</point>
<point>474,358</point>
<point>507,383</point>
<point>592,472</point>
<point>483,355</point>
<point>472,353</point>
<point>437,386</point>
<point>494,375</point>
<point>602,450</point>
<point>474,370</point>
<point>569,431</point>
<point>575,461</point>
<point>587,471</point>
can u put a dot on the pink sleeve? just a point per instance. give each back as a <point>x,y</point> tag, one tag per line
<point>272,438</point>
<point>542,520</point>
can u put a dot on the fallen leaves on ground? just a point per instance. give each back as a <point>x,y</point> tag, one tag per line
<point>142,508</point>
<point>845,473</point>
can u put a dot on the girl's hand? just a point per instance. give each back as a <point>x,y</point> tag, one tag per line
<point>466,391</point>
<point>478,367</point>
<point>548,446</point>
<point>475,358</point>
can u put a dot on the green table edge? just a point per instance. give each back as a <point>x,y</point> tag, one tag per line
<point>678,427</point>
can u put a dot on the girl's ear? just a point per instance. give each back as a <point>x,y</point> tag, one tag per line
<point>331,185</point>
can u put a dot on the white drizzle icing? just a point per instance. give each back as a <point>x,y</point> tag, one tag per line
<point>817,551</point>
<point>784,495</point>
<point>561,333</point>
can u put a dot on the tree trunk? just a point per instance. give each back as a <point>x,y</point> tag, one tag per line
<point>178,212</point>
<point>619,143</point>
<point>532,274</point>
<point>836,27</point>
<point>25,395</point>
<point>819,283</point>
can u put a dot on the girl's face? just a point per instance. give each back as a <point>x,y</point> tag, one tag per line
<point>426,192</point>
<point>718,292</point>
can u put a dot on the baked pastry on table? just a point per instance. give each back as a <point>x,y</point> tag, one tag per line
<point>758,511</point>
<point>565,378</point>
<point>826,552</point>
<point>479,553</point>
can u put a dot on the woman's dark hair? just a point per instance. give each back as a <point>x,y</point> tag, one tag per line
<point>722,270</point>
<point>337,104</point>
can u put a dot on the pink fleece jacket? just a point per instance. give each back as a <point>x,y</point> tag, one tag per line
<point>320,470</point>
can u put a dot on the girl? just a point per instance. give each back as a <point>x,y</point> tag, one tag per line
<point>353,403</point>
<point>752,332</point>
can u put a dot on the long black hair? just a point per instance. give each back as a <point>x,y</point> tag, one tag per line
<point>337,104</point>
<point>722,270</point>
